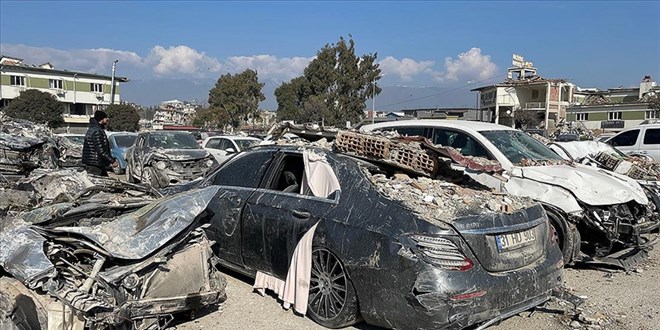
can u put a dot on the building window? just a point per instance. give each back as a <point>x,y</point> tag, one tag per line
<point>96,87</point>
<point>582,116</point>
<point>55,83</point>
<point>614,115</point>
<point>651,114</point>
<point>535,94</point>
<point>17,80</point>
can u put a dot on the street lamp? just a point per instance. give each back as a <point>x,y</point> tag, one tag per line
<point>112,88</point>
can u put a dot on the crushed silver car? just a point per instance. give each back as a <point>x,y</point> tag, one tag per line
<point>135,271</point>
<point>163,158</point>
<point>25,146</point>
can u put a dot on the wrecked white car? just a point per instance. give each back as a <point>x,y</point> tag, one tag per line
<point>134,271</point>
<point>602,155</point>
<point>163,158</point>
<point>598,212</point>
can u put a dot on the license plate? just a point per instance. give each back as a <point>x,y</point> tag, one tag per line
<point>507,242</point>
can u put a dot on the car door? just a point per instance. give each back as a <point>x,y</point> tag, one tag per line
<point>237,179</point>
<point>277,216</point>
<point>651,143</point>
<point>626,141</point>
<point>136,156</point>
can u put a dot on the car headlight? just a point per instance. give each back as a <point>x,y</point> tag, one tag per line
<point>209,162</point>
<point>161,165</point>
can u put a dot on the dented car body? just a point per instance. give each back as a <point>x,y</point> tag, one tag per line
<point>133,271</point>
<point>432,261</point>
<point>595,211</point>
<point>162,158</point>
<point>25,146</point>
<point>602,155</point>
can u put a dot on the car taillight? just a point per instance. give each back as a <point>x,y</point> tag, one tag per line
<point>552,237</point>
<point>441,252</point>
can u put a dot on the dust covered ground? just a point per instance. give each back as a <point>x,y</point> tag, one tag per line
<point>615,300</point>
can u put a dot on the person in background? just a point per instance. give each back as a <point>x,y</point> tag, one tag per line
<point>96,149</point>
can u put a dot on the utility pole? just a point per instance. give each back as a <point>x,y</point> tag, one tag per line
<point>373,103</point>
<point>112,88</point>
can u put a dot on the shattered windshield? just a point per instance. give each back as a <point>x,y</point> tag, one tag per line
<point>125,141</point>
<point>518,146</point>
<point>245,144</point>
<point>173,141</point>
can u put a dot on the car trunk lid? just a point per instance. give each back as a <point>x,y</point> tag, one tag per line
<point>503,242</point>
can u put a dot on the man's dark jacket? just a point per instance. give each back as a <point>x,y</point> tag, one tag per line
<point>96,148</point>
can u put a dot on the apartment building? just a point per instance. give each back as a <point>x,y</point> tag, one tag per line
<point>81,93</point>
<point>174,112</point>
<point>525,90</point>
<point>615,109</point>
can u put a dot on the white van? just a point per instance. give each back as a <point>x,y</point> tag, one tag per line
<point>643,139</point>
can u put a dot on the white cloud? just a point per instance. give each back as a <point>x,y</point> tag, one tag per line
<point>182,59</point>
<point>269,66</point>
<point>469,65</point>
<point>405,68</point>
<point>87,60</point>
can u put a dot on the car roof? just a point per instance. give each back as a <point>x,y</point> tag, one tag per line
<point>460,124</point>
<point>121,133</point>
<point>233,137</point>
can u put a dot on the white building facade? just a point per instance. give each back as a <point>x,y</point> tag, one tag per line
<point>81,93</point>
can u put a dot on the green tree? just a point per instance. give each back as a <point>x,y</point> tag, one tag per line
<point>654,102</point>
<point>208,118</point>
<point>234,98</point>
<point>334,87</point>
<point>527,118</point>
<point>37,106</point>
<point>123,117</point>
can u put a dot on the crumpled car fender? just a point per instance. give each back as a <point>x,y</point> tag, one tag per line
<point>543,192</point>
<point>589,185</point>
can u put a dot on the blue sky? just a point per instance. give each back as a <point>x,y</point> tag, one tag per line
<point>595,44</point>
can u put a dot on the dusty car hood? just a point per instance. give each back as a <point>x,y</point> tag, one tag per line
<point>589,185</point>
<point>181,154</point>
<point>581,149</point>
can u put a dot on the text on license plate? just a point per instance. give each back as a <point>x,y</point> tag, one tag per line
<point>506,242</point>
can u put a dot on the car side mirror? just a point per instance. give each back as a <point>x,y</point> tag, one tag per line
<point>230,150</point>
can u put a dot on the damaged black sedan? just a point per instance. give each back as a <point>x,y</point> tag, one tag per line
<point>162,158</point>
<point>342,239</point>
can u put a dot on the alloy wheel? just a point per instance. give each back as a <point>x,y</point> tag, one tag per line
<point>328,285</point>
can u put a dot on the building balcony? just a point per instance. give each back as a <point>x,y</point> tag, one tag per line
<point>533,106</point>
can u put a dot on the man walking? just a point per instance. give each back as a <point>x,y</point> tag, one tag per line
<point>96,148</point>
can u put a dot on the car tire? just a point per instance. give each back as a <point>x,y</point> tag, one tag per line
<point>332,300</point>
<point>21,308</point>
<point>129,175</point>
<point>568,237</point>
<point>149,177</point>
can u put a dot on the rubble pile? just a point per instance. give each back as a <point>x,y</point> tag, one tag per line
<point>51,187</point>
<point>322,143</point>
<point>407,154</point>
<point>436,199</point>
<point>531,162</point>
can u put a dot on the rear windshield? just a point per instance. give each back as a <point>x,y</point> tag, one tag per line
<point>516,146</point>
<point>173,141</point>
<point>125,141</point>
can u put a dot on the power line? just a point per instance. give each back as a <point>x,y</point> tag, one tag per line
<point>443,92</point>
